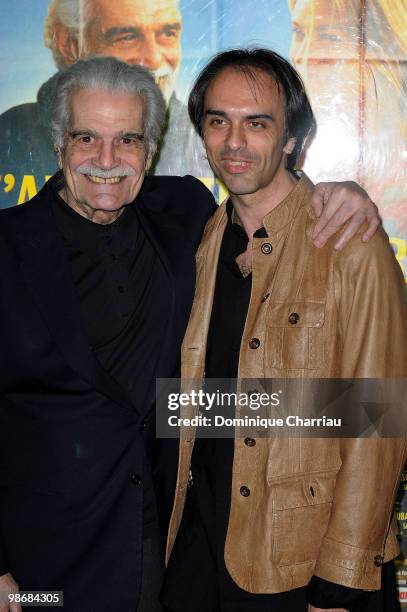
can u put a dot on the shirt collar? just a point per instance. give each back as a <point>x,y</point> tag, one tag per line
<point>282,214</point>
<point>86,235</point>
<point>239,229</point>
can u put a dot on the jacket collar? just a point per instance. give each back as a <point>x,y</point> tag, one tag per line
<point>283,214</point>
<point>276,220</point>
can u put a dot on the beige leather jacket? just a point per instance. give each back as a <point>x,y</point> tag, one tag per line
<point>315,506</point>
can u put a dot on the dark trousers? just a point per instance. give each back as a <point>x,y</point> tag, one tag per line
<point>385,600</point>
<point>152,577</point>
<point>197,579</point>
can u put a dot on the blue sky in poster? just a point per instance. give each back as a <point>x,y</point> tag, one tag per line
<point>212,25</point>
<point>25,62</point>
<point>209,25</point>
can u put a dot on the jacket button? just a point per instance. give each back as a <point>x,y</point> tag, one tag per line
<point>265,297</point>
<point>245,491</point>
<point>254,343</point>
<point>378,560</point>
<point>135,479</point>
<point>294,318</point>
<point>266,248</point>
<point>250,442</point>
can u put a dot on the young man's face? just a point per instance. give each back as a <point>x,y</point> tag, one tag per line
<point>244,130</point>
<point>104,158</point>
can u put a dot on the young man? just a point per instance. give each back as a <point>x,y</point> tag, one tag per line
<point>275,524</point>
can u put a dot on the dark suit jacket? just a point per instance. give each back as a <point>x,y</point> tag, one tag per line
<point>72,448</point>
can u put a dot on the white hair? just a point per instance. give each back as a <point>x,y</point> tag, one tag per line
<point>109,73</point>
<point>75,16</point>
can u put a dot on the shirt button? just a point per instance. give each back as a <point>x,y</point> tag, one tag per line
<point>135,479</point>
<point>378,560</point>
<point>294,318</point>
<point>245,491</point>
<point>266,248</point>
<point>120,289</point>
<point>254,343</point>
<point>250,442</point>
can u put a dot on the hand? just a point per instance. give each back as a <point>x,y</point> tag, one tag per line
<point>8,585</point>
<point>334,204</point>
<point>312,609</point>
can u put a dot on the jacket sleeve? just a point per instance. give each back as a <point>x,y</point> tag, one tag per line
<point>372,343</point>
<point>202,194</point>
<point>200,205</point>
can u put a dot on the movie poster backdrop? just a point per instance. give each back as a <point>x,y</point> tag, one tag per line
<point>352,55</point>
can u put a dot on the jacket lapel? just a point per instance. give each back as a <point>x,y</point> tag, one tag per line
<point>151,218</point>
<point>47,273</point>
<point>193,352</point>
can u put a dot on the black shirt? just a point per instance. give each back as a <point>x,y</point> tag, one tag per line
<point>119,282</point>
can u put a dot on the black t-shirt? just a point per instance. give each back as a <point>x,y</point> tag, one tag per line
<point>119,280</point>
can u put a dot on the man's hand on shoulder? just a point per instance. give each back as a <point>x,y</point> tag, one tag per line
<point>336,203</point>
<point>313,609</point>
<point>8,585</point>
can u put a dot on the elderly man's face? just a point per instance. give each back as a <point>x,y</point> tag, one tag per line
<point>144,32</point>
<point>103,159</point>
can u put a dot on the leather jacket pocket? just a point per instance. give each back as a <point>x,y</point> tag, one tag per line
<point>295,334</point>
<point>300,515</point>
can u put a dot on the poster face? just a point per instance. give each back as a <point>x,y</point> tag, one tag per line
<point>352,56</point>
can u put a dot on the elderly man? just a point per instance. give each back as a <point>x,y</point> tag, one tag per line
<point>97,283</point>
<point>141,32</point>
<point>276,524</point>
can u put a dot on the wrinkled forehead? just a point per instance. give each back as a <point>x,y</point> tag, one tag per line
<point>103,106</point>
<point>140,11</point>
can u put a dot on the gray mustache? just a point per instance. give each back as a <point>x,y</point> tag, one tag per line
<point>105,174</point>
